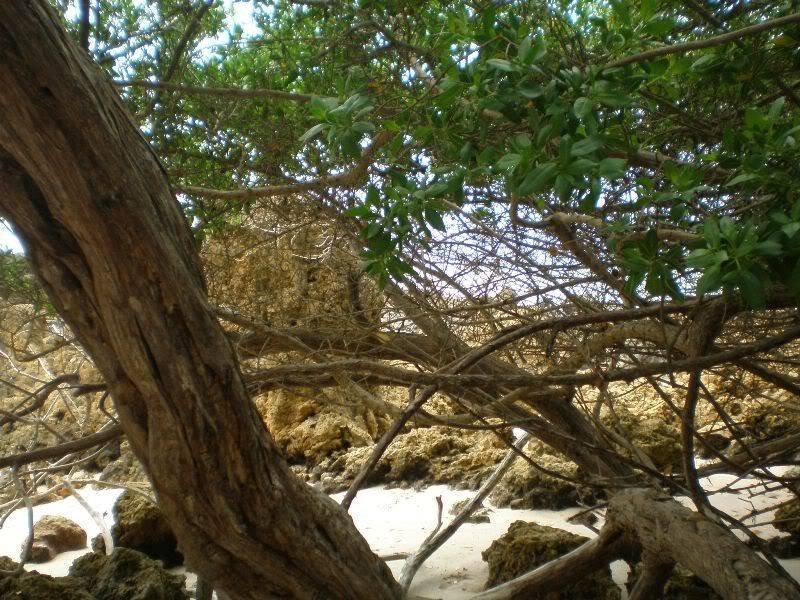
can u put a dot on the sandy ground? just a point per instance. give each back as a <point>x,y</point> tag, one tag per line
<point>395,520</point>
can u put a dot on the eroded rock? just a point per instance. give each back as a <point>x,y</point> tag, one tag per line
<point>127,575</point>
<point>525,486</point>
<point>479,515</point>
<point>421,456</point>
<point>53,535</point>
<point>140,525</point>
<point>30,585</point>
<point>527,545</point>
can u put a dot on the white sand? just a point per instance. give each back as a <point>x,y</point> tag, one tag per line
<point>395,520</point>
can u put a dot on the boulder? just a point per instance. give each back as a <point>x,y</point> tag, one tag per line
<point>53,535</point>
<point>127,575</point>
<point>309,431</point>
<point>527,545</point>
<point>140,525</point>
<point>714,441</point>
<point>787,518</point>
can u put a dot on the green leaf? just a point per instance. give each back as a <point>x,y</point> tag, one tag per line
<point>612,168</point>
<point>508,162</point>
<point>741,179</point>
<point>434,218</point>
<point>647,9</point>
<point>704,62</point>
<point>373,196</point>
<point>752,289</point>
<point>582,108</point>
<point>363,127</point>
<point>531,91</point>
<point>710,281</point>
<point>586,146</point>
<point>775,108</point>
<point>501,64</point>
<point>791,228</point>
<point>711,233</point>
<point>358,211</point>
<point>315,130</point>
<point>581,166</point>
<point>769,248</point>
<point>728,229</point>
<point>538,179</point>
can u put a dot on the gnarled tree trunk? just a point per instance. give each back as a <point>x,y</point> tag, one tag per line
<point>109,242</point>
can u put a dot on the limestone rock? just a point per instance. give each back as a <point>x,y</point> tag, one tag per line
<point>126,469</point>
<point>427,455</point>
<point>524,486</point>
<point>140,525</point>
<point>308,430</point>
<point>53,535</point>
<point>127,575</point>
<point>715,441</point>
<point>527,545</point>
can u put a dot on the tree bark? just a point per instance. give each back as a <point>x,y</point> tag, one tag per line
<point>672,532</point>
<point>106,237</point>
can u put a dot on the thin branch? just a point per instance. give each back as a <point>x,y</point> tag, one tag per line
<point>433,543</point>
<point>350,178</point>
<point>89,441</point>
<point>220,92</point>
<point>719,40</point>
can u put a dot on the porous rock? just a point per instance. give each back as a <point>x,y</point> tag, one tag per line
<point>140,525</point>
<point>127,575</point>
<point>526,546</point>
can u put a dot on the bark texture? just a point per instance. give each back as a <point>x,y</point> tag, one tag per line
<point>668,530</point>
<point>108,240</point>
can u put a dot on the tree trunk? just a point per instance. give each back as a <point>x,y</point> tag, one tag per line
<point>108,240</point>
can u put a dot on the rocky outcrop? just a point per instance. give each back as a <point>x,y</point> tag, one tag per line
<point>127,575</point>
<point>126,469</point>
<point>421,456</point>
<point>309,431</point>
<point>787,519</point>
<point>53,535</point>
<point>527,545</point>
<point>525,486</point>
<point>140,525</point>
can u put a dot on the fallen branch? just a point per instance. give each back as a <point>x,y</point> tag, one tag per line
<point>433,543</point>
<point>584,560</point>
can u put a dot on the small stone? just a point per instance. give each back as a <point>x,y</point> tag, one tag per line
<point>479,515</point>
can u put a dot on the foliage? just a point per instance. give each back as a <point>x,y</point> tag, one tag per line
<point>491,104</point>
